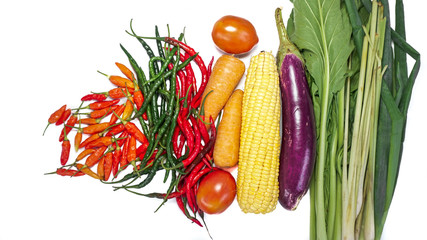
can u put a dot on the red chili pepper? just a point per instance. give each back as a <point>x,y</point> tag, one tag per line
<point>203,129</point>
<point>189,179</point>
<point>65,154</point>
<point>68,126</point>
<point>181,144</point>
<point>123,158</point>
<point>191,200</point>
<point>141,150</point>
<point>108,165</point>
<point>195,103</point>
<point>116,160</point>
<point>189,166</point>
<point>64,117</point>
<point>183,83</point>
<point>122,138</point>
<point>196,149</point>
<point>119,92</point>
<point>199,175</point>
<point>95,157</point>
<point>138,98</point>
<point>103,104</point>
<point>55,116</point>
<point>94,96</point>
<point>187,131</point>
<point>134,131</point>
<point>207,162</point>
<point>96,128</point>
<point>117,112</point>
<point>191,79</point>
<point>115,130</point>
<point>181,206</point>
<point>210,67</point>
<point>68,172</point>
<point>190,182</point>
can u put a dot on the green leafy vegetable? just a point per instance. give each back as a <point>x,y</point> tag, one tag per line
<point>322,31</point>
<point>361,92</point>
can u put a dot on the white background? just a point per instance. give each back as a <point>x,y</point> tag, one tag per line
<point>49,54</point>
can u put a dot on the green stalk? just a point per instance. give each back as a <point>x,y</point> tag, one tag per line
<point>313,209</point>
<point>338,213</point>
<point>332,184</point>
<point>349,211</point>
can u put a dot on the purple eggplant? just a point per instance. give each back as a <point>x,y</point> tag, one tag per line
<point>298,147</point>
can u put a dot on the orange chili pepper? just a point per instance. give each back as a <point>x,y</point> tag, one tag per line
<point>90,139</point>
<point>95,157</point>
<point>90,121</point>
<point>84,153</point>
<point>55,116</point>
<point>103,112</point>
<point>126,71</point>
<point>87,171</point>
<point>100,142</point>
<point>100,168</point>
<point>128,109</point>
<point>96,128</point>
<point>131,156</point>
<point>119,81</point>
<point>78,139</point>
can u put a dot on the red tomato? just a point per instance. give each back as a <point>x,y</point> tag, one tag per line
<point>216,192</point>
<point>234,35</point>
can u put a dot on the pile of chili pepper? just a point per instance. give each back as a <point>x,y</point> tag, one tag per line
<point>152,124</point>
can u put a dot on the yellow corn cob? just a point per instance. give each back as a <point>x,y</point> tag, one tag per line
<point>257,177</point>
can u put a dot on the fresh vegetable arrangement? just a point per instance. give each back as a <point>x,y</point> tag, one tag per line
<point>326,116</point>
<point>360,87</point>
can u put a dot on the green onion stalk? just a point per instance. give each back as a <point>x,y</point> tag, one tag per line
<point>358,175</point>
